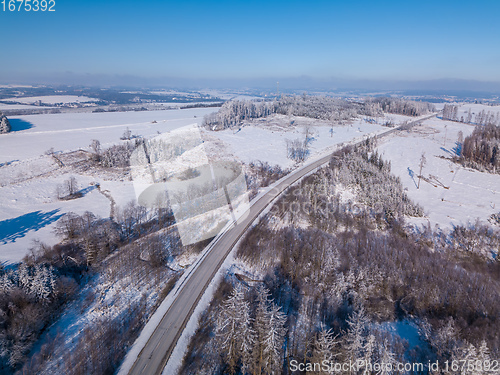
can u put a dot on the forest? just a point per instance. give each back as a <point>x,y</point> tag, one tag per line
<point>130,251</point>
<point>323,276</point>
<point>483,118</point>
<point>131,248</point>
<point>234,113</point>
<point>480,150</point>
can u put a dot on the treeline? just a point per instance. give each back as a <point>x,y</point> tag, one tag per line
<point>233,113</point>
<point>483,118</point>
<point>116,156</point>
<point>480,150</point>
<point>340,268</point>
<point>402,106</point>
<point>363,170</point>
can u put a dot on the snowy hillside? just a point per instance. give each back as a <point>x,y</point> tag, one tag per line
<point>454,195</point>
<point>29,177</point>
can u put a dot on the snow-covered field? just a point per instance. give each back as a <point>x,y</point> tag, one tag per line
<point>29,208</point>
<point>266,140</point>
<point>29,211</point>
<point>53,99</point>
<point>467,194</point>
<point>71,131</point>
<point>4,106</point>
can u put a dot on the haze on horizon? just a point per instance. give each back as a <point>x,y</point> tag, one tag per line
<point>338,42</point>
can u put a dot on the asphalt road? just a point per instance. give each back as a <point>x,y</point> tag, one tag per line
<point>158,349</point>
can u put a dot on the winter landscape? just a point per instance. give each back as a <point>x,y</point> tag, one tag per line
<point>310,211</point>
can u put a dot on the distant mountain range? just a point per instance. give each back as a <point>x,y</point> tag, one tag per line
<point>263,83</point>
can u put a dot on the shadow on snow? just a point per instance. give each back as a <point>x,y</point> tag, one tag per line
<point>18,125</point>
<point>12,229</point>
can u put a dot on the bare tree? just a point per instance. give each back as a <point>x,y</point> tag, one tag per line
<point>127,135</point>
<point>68,189</point>
<point>422,163</point>
<point>68,226</point>
<point>71,185</point>
<point>307,135</point>
<point>296,150</point>
<point>95,146</point>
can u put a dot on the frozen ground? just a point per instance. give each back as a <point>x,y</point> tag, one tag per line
<point>53,99</point>
<point>4,106</point>
<point>71,131</point>
<point>458,195</point>
<point>28,180</point>
<point>265,140</point>
<point>29,208</point>
<point>475,109</point>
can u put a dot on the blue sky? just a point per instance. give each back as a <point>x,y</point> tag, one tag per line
<point>376,40</point>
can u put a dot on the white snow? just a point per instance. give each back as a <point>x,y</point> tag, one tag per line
<point>71,131</point>
<point>405,329</point>
<point>266,141</point>
<point>53,99</point>
<point>29,211</point>
<point>28,181</point>
<point>4,106</point>
<point>470,195</point>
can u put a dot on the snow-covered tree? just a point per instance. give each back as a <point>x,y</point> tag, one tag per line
<point>25,277</point>
<point>269,334</point>
<point>6,283</point>
<point>387,358</point>
<point>369,351</point>
<point>355,337</point>
<point>234,330</point>
<point>324,346</point>
<point>95,147</point>
<point>468,119</point>
<point>450,112</point>
<point>43,282</point>
<point>260,326</point>
<point>274,338</point>
<point>4,124</point>
<point>422,163</point>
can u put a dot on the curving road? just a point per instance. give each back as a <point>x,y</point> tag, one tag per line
<point>154,356</point>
